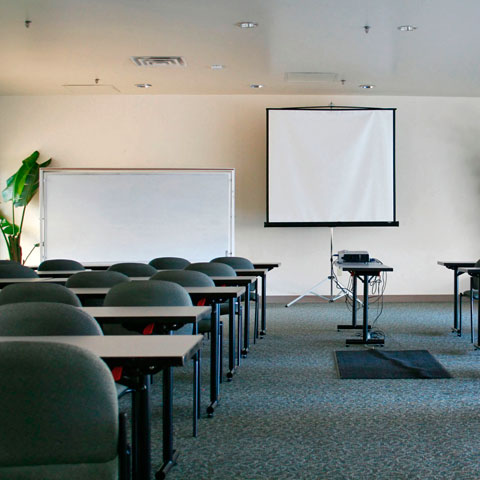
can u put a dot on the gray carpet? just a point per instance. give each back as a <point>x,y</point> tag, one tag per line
<point>287,415</point>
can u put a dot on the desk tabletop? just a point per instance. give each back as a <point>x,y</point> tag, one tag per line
<point>167,314</point>
<point>59,273</point>
<point>172,349</point>
<point>7,281</point>
<point>364,267</point>
<point>456,264</point>
<point>213,292</point>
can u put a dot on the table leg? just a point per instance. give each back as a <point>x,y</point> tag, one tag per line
<point>169,454</point>
<point>246,326</point>
<point>263,329</point>
<point>214,370</point>
<point>456,300</point>
<point>231,339</point>
<point>141,429</point>
<point>365,309</point>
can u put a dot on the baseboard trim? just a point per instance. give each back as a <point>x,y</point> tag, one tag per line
<point>387,298</point>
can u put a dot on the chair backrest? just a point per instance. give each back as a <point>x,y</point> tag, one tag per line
<point>5,262</point>
<point>213,269</point>
<point>38,292</point>
<point>147,293</point>
<point>45,318</point>
<point>101,278</point>
<point>185,278</point>
<point>15,270</point>
<point>235,262</point>
<point>169,263</point>
<point>60,264</point>
<point>132,269</point>
<point>59,413</point>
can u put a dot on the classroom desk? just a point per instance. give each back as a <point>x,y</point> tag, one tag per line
<point>456,267</point>
<point>169,317</point>
<point>214,296</point>
<point>363,271</point>
<point>244,281</point>
<point>474,272</point>
<point>149,355</point>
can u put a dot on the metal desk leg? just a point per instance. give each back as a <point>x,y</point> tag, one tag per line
<point>365,309</point>
<point>214,370</point>
<point>141,428</point>
<point>456,302</point>
<point>231,339</point>
<point>263,330</point>
<point>246,326</point>
<point>169,454</point>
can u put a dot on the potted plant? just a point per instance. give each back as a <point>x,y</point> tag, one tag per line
<point>21,188</point>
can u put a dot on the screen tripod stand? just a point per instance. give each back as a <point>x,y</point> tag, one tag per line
<point>332,278</point>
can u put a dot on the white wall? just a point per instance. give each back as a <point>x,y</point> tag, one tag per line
<point>438,172</point>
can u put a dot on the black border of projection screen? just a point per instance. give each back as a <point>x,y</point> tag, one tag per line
<point>331,167</point>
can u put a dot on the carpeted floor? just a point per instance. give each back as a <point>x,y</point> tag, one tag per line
<point>287,415</point>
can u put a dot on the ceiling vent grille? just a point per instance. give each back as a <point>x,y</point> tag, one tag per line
<point>159,61</point>
<point>310,77</point>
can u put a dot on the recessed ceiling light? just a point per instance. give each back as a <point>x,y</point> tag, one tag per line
<point>256,85</point>
<point>143,85</point>
<point>217,67</point>
<point>246,24</point>
<point>407,28</point>
<point>367,86</point>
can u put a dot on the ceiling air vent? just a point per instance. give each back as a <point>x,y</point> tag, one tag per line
<point>159,61</point>
<point>310,77</point>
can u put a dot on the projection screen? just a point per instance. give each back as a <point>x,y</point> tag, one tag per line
<point>331,167</point>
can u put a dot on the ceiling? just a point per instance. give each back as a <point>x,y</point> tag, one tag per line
<point>74,42</point>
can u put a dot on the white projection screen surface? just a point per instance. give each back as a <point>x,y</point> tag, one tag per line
<point>109,216</point>
<point>331,167</point>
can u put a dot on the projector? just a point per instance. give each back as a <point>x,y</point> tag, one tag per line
<point>349,256</point>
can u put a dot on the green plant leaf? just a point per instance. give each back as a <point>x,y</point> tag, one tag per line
<point>23,185</point>
<point>8,228</point>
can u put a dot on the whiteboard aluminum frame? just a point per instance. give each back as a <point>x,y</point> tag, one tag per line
<point>45,172</point>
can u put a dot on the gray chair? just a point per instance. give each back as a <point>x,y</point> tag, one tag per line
<point>60,264</point>
<point>156,293</point>
<point>147,293</point>
<point>101,278</point>
<point>242,263</point>
<point>45,318</point>
<point>471,294</point>
<point>213,269</point>
<point>132,269</point>
<point>191,278</point>
<point>169,263</point>
<point>38,292</point>
<point>52,426</point>
<point>15,270</point>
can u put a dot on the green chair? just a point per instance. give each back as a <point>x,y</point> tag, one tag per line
<point>241,263</point>
<point>148,293</point>
<point>100,278</point>
<point>471,294</point>
<point>213,269</point>
<point>190,278</point>
<point>53,427</point>
<point>38,292</point>
<point>15,270</point>
<point>169,263</point>
<point>132,269</point>
<point>45,318</point>
<point>60,264</point>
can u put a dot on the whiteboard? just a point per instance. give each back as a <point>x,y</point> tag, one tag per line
<point>109,216</point>
<point>331,167</point>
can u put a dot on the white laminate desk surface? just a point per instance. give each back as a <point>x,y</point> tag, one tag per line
<point>175,349</point>
<point>149,312</point>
